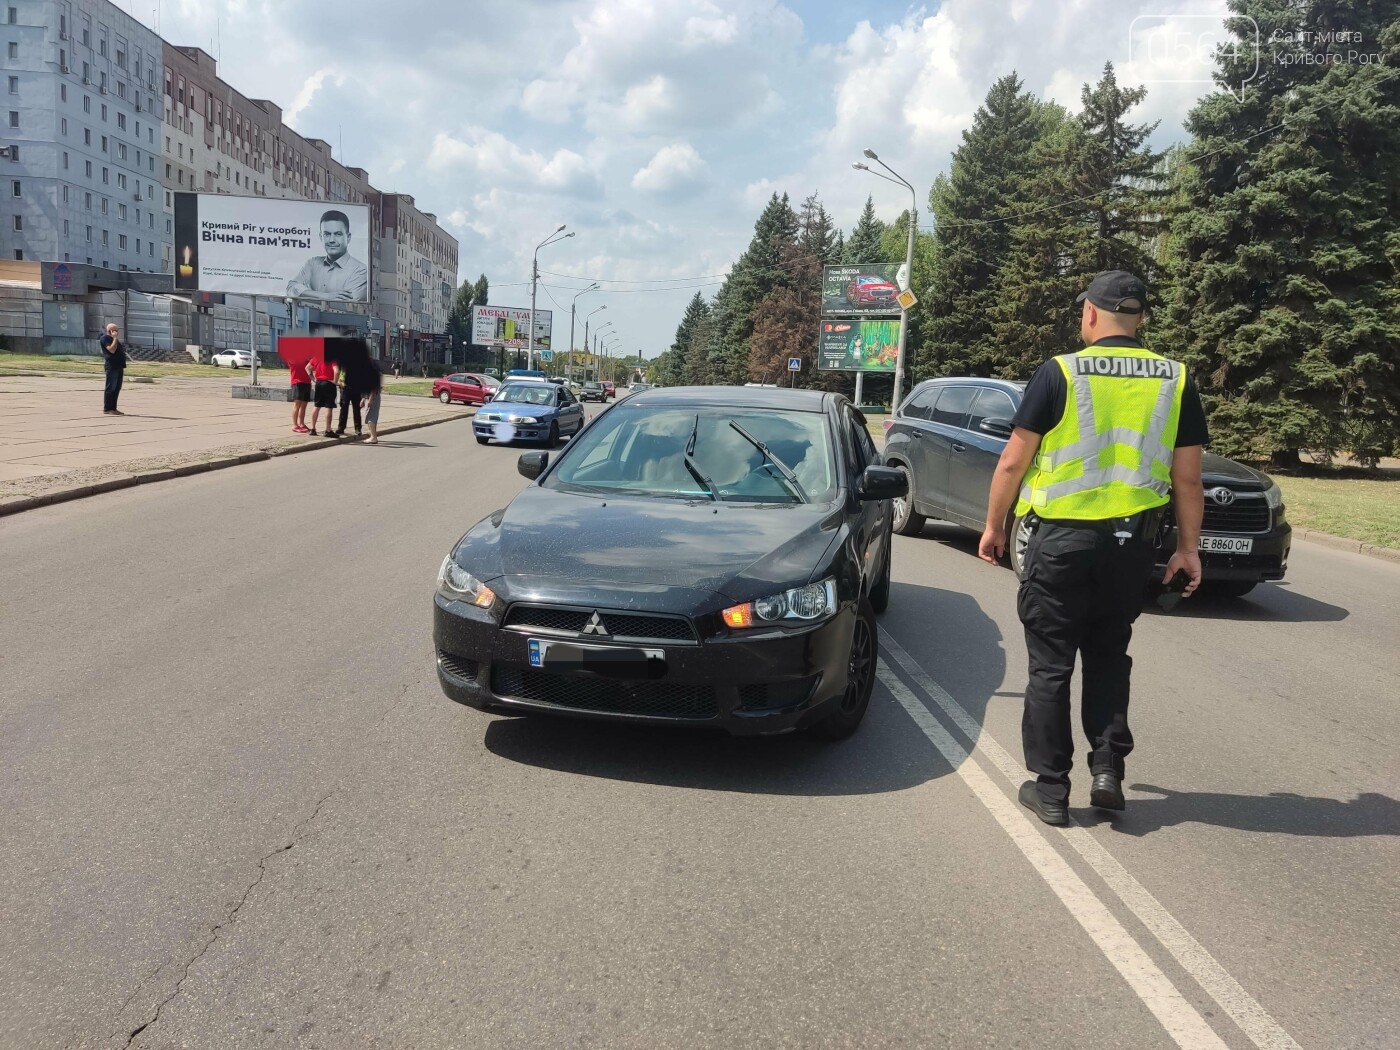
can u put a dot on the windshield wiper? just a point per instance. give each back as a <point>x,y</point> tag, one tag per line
<point>694,468</point>
<point>783,468</point>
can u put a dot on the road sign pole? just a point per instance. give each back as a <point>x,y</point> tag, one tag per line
<point>860,389</point>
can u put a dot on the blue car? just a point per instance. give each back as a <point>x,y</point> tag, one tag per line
<point>528,410</point>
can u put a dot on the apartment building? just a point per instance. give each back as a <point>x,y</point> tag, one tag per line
<point>106,122</point>
<point>417,275</point>
<point>80,135</point>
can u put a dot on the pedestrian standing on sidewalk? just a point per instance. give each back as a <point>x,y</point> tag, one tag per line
<point>349,399</point>
<point>325,394</point>
<point>1105,439</point>
<point>374,385</point>
<point>301,396</point>
<point>114,368</point>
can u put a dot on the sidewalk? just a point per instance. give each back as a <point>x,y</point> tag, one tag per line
<point>54,436</point>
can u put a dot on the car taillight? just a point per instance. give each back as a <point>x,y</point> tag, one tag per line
<point>887,424</point>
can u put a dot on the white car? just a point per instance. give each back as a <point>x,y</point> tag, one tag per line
<point>233,358</point>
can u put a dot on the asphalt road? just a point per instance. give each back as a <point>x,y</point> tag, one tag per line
<point>237,811</point>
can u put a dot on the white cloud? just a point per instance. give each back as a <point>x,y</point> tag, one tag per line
<point>674,169</point>
<point>513,116</point>
<point>493,155</point>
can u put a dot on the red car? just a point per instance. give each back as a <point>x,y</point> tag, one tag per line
<point>466,387</point>
<point>867,290</point>
<point>609,390</point>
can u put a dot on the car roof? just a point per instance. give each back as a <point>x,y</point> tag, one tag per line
<point>1018,385</point>
<point>733,397</point>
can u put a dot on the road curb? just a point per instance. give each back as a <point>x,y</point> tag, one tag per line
<point>1342,543</point>
<point>185,470</point>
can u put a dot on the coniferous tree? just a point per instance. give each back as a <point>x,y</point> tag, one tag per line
<point>785,323</point>
<point>1284,280</point>
<point>672,366</point>
<point>991,180</point>
<point>755,274</point>
<point>864,244</point>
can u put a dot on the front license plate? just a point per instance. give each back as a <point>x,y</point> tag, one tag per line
<point>1227,544</point>
<point>611,660</point>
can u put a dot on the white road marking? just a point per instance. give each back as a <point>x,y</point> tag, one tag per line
<point>1181,1020</point>
<point>1253,1020</point>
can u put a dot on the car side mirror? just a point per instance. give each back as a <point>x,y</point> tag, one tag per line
<point>996,426</point>
<point>877,482</point>
<point>531,464</point>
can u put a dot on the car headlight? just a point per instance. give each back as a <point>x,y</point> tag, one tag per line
<point>522,419</point>
<point>815,601</point>
<point>457,585</point>
<point>1273,496</point>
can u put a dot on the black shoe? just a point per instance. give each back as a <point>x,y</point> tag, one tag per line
<point>1107,792</point>
<point>332,434</point>
<point>1056,813</point>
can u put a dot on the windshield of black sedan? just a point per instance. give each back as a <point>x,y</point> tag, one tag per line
<point>644,451</point>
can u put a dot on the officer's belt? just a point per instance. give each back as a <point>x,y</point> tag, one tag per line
<point>1144,525</point>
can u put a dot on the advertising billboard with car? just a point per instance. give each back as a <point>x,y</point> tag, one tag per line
<point>858,346</point>
<point>284,249</point>
<point>510,326</point>
<point>864,290</point>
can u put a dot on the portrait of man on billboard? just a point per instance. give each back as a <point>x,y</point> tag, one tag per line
<point>336,274</point>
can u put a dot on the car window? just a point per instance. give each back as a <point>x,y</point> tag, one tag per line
<point>528,393</point>
<point>953,404</point>
<point>990,404</point>
<point>920,406</point>
<point>647,451</point>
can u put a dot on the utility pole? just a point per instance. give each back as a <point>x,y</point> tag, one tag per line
<point>553,238</point>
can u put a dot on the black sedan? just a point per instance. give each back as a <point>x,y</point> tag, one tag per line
<point>948,436</point>
<point>706,556</point>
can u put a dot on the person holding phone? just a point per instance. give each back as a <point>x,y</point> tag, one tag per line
<point>1104,441</point>
<point>114,369</point>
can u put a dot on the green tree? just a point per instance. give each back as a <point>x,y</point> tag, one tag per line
<point>865,244</point>
<point>758,271</point>
<point>1285,299</point>
<point>991,179</point>
<point>785,323</point>
<point>673,365</point>
<point>1126,186</point>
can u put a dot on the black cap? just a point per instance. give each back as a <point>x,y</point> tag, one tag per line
<point>1116,291</point>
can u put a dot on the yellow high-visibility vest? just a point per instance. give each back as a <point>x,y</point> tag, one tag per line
<point>1110,455</point>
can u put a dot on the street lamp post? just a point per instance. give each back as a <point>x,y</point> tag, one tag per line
<point>898,179</point>
<point>573,306</point>
<point>585,326</point>
<point>553,238</point>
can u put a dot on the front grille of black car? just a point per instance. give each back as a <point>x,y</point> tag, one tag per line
<point>459,666</point>
<point>655,699</point>
<point>1248,515</point>
<point>646,627</point>
<point>771,696</point>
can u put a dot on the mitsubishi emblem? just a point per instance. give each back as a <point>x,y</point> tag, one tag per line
<point>1223,496</point>
<point>594,625</point>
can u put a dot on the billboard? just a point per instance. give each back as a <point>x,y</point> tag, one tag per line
<point>864,290</point>
<point>510,326</point>
<point>858,346</point>
<point>278,248</point>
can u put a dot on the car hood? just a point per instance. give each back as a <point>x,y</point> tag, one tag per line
<point>518,407</point>
<point>548,543</point>
<point>1217,470</point>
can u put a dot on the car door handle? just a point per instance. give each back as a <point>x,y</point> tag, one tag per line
<point>959,448</point>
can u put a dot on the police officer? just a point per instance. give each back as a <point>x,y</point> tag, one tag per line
<point>1104,439</point>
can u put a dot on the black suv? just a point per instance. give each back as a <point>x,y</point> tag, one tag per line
<point>948,436</point>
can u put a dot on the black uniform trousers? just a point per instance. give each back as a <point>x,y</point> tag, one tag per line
<point>348,400</point>
<point>1081,592</point>
<point>112,387</point>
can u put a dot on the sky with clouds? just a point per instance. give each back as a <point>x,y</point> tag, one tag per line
<point>656,129</point>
